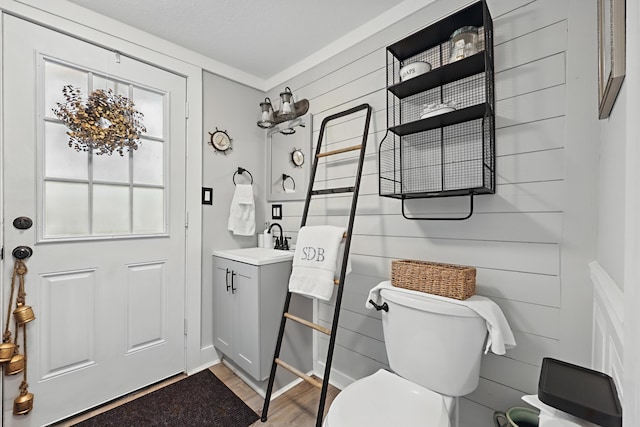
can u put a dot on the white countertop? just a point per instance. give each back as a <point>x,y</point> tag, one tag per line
<point>255,256</point>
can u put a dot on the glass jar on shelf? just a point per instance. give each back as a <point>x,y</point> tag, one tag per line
<point>463,43</point>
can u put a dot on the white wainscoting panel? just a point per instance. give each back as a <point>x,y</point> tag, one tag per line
<point>608,321</point>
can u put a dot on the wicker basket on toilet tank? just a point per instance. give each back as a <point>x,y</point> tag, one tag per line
<point>447,280</point>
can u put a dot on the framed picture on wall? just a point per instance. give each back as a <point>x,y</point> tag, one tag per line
<point>611,53</point>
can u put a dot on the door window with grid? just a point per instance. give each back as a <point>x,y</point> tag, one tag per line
<point>84,195</point>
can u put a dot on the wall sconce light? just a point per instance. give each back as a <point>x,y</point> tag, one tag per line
<point>266,118</point>
<point>289,110</point>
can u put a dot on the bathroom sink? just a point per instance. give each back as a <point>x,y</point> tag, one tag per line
<point>255,256</point>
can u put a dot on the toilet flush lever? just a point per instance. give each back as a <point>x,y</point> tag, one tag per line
<point>384,306</point>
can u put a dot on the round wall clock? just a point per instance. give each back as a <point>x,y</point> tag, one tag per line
<point>220,140</point>
<point>297,157</point>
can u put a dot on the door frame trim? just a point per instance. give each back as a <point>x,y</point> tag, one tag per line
<point>2,219</point>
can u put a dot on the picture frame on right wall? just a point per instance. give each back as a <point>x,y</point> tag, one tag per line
<point>611,53</point>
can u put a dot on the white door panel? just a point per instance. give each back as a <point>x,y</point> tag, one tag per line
<point>106,279</point>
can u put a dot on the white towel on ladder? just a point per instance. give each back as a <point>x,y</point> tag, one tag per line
<point>314,261</point>
<point>242,213</point>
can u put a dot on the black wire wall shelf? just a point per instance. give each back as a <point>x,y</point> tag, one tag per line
<point>452,153</point>
<point>442,120</point>
<point>442,75</point>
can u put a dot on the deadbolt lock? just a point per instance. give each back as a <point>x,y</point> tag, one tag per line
<point>22,223</point>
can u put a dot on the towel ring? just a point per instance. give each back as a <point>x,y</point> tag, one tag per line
<point>284,178</point>
<point>241,171</point>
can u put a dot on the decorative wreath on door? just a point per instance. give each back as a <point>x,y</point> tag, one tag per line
<point>103,122</point>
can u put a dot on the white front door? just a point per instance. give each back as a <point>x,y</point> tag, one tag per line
<point>106,278</point>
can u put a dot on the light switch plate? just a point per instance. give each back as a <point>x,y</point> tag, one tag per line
<point>276,211</point>
<point>207,196</point>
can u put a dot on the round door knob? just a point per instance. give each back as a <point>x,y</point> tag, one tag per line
<point>22,252</point>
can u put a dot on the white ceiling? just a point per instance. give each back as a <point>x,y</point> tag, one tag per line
<point>261,38</point>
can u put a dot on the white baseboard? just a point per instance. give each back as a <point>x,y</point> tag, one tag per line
<point>337,379</point>
<point>256,387</point>
<point>244,378</point>
<point>288,387</point>
<point>210,356</point>
<point>203,367</point>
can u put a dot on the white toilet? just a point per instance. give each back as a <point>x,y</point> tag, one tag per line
<point>434,347</point>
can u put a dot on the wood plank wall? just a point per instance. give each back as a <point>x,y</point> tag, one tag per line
<point>513,238</point>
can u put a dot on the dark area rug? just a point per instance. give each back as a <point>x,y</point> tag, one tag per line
<point>196,401</point>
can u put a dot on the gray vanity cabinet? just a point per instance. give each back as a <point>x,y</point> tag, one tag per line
<point>248,307</point>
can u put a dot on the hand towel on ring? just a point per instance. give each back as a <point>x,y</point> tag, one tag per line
<point>242,214</point>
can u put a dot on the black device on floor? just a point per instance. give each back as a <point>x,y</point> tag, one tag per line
<point>579,391</point>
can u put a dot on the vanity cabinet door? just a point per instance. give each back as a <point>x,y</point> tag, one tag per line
<point>236,314</point>
<point>246,296</point>
<point>248,308</point>
<point>224,306</point>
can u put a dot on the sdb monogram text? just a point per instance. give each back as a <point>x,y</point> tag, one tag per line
<point>310,253</point>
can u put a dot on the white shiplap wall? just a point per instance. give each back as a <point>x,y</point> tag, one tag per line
<point>515,238</point>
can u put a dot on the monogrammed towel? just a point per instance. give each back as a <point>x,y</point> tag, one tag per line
<point>314,262</point>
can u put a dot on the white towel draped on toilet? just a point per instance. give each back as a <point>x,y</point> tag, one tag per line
<point>500,337</point>
<point>242,213</point>
<point>314,262</point>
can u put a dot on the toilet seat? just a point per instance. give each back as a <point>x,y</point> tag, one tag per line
<point>385,399</point>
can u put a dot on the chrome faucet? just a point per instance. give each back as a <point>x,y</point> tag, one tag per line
<point>279,241</point>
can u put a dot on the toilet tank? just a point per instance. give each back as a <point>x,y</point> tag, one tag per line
<point>434,343</point>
